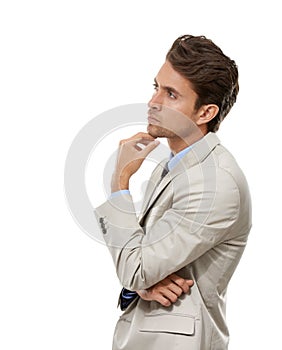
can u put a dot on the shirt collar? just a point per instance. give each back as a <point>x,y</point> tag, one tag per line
<point>175,159</point>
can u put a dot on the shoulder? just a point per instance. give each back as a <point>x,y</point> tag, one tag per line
<point>229,170</point>
<point>218,176</point>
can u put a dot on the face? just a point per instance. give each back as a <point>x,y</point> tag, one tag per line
<point>171,109</point>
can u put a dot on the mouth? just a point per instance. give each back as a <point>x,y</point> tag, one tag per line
<point>152,119</point>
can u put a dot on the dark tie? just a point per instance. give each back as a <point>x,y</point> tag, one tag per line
<point>165,170</point>
<point>127,296</point>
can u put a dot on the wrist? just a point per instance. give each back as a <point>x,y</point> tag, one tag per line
<point>119,182</point>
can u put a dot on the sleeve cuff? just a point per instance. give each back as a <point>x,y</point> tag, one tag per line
<point>119,193</point>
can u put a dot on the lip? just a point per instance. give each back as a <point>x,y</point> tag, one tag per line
<point>152,120</point>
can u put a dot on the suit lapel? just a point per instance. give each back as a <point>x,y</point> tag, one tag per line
<point>151,187</point>
<point>197,154</point>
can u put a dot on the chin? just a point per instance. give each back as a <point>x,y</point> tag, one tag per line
<point>157,131</point>
<point>153,130</point>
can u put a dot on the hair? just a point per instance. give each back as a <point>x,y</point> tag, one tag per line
<point>213,75</point>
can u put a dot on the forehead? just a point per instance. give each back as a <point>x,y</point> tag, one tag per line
<point>168,76</point>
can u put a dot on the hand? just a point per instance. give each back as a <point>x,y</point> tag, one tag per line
<point>131,155</point>
<point>167,291</point>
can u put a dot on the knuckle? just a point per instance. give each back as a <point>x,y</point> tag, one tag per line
<point>154,293</point>
<point>181,283</point>
<point>179,292</point>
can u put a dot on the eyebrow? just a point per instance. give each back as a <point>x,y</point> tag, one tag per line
<point>168,88</point>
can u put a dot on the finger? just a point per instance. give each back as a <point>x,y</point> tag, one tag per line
<point>137,141</point>
<point>141,144</point>
<point>139,136</point>
<point>145,141</point>
<point>142,140</point>
<point>163,300</point>
<point>150,147</point>
<point>170,295</point>
<point>173,287</point>
<point>190,283</point>
<point>144,135</point>
<point>181,282</point>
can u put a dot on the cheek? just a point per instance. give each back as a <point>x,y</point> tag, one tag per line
<point>176,121</point>
<point>181,105</point>
<point>186,109</point>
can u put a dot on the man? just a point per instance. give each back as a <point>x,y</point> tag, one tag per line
<point>176,260</point>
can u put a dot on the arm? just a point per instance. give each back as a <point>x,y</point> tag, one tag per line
<point>205,206</point>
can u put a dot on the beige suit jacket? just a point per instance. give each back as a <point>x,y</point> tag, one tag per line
<point>195,222</point>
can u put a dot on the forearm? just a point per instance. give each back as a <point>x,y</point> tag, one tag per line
<point>123,237</point>
<point>142,260</point>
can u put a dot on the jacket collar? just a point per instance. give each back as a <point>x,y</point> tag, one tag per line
<point>196,155</point>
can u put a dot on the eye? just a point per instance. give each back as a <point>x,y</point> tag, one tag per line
<point>171,95</point>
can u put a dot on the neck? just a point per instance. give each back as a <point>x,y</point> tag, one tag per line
<point>177,144</point>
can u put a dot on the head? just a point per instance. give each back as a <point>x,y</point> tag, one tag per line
<point>207,78</point>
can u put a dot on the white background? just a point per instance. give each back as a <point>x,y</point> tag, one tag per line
<point>63,63</point>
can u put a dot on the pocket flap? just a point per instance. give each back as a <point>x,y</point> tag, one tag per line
<point>173,323</point>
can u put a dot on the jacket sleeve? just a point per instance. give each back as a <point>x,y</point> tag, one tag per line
<point>201,216</point>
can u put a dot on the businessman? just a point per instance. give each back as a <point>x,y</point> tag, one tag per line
<point>176,259</point>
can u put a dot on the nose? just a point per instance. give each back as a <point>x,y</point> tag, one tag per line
<point>155,103</point>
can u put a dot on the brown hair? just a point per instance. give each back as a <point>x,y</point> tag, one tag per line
<point>213,75</point>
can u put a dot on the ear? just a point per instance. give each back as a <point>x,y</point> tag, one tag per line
<point>206,113</point>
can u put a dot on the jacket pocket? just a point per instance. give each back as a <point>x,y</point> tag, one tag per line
<point>169,323</point>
